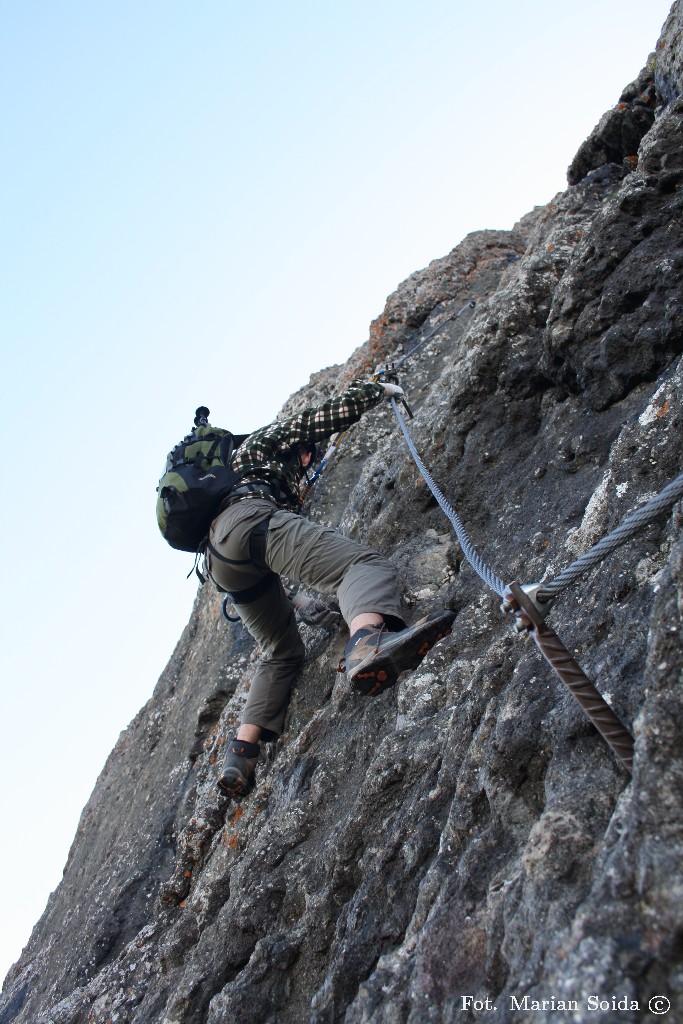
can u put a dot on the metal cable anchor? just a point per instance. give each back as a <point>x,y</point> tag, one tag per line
<point>522,622</point>
<point>391,377</point>
<point>530,618</point>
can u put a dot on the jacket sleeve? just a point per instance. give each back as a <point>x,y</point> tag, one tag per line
<point>336,414</point>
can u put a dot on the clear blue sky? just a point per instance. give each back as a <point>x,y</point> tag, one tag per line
<point>203,204</point>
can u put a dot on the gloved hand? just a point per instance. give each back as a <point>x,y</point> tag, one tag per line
<point>314,612</point>
<point>391,390</point>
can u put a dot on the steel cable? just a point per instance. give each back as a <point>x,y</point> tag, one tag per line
<point>550,645</point>
<point>477,563</point>
<point>456,316</point>
<point>335,443</point>
<point>626,529</point>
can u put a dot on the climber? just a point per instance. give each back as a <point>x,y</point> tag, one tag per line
<point>259,536</point>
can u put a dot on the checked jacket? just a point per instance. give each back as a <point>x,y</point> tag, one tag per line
<point>271,454</point>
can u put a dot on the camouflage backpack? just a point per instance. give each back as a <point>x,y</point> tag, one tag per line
<point>196,481</point>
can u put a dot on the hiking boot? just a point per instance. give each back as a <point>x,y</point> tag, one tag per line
<point>237,777</point>
<point>374,658</point>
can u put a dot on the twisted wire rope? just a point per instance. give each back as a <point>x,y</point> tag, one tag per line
<point>626,529</point>
<point>456,316</point>
<point>629,526</point>
<point>478,564</point>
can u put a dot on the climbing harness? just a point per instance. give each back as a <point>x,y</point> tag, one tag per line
<point>227,604</point>
<point>257,558</point>
<point>530,604</point>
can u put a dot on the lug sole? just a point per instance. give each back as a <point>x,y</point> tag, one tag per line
<point>234,783</point>
<point>381,671</point>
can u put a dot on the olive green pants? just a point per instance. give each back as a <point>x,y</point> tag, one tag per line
<point>317,556</point>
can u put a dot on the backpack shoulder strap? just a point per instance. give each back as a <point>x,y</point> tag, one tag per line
<point>226,449</point>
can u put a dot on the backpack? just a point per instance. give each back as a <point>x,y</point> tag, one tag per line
<point>197,480</point>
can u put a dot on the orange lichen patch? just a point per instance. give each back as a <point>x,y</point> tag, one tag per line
<point>183,903</point>
<point>236,816</point>
<point>211,737</point>
<point>231,842</point>
<point>621,106</point>
<point>188,874</point>
<point>631,159</point>
<point>663,411</point>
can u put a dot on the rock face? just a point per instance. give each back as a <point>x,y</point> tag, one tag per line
<point>466,846</point>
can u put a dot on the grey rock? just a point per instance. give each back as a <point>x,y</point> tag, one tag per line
<point>617,137</point>
<point>467,835</point>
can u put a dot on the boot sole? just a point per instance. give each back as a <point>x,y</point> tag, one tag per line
<point>234,783</point>
<point>380,671</point>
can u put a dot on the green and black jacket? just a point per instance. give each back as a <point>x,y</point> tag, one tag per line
<point>270,456</point>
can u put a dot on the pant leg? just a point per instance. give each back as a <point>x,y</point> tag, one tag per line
<point>317,556</point>
<point>230,534</point>
<point>361,579</point>
<point>270,618</point>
